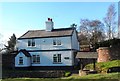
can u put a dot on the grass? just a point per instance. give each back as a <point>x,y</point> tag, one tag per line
<point>97,76</point>
<point>104,66</point>
<point>91,77</point>
<point>67,74</point>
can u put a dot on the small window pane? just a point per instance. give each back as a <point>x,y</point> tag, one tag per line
<point>58,42</point>
<point>54,58</point>
<point>33,42</point>
<point>38,58</point>
<point>29,43</point>
<point>34,58</point>
<point>59,57</point>
<point>54,42</point>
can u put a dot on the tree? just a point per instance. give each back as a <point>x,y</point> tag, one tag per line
<point>110,21</point>
<point>84,34</point>
<point>11,43</point>
<point>97,31</point>
<point>91,31</point>
<point>83,39</point>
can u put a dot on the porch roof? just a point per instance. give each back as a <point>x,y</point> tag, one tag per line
<point>87,55</point>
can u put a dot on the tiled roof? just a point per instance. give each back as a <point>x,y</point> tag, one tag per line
<point>25,52</point>
<point>44,33</point>
<point>86,55</point>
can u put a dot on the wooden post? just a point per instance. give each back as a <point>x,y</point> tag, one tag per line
<point>81,64</point>
<point>94,64</point>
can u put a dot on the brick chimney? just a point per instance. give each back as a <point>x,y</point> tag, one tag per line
<point>103,54</point>
<point>49,24</point>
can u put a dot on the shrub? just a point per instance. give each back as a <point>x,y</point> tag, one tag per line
<point>67,74</point>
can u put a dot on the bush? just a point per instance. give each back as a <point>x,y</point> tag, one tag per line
<point>67,74</point>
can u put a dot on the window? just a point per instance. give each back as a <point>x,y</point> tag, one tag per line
<point>21,60</point>
<point>57,58</point>
<point>56,42</point>
<point>31,42</point>
<point>36,59</point>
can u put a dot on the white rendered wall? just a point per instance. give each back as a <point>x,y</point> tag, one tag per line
<point>26,60</point>
<point>46,58</point>
<point>45,44</point>
<point>75,43</point>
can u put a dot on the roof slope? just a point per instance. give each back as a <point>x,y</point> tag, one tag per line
<point>25,52</point>
<point>86,55</point>
<point>44,33</point>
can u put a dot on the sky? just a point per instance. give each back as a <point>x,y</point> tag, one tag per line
<point>19,17</point>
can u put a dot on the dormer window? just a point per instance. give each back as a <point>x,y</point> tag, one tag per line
<point>31,42</point>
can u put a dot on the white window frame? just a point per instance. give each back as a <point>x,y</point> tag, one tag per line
<point>57,42</point>
<point>57,59</point>
<point>32,43</point>
<point>20,60</point>
<point>36,59</point>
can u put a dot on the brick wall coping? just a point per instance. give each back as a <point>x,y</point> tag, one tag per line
<point>101,48</point>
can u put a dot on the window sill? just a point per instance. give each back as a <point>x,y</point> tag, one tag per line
<point>57,62</point>
<point>20,64</point>
<point>31,46</point>
<point>57,45</point>
<point>35,63</point>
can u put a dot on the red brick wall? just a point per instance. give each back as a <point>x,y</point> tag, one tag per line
<point>103,54</point>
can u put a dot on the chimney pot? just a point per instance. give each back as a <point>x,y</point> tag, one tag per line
<point>49,19</point>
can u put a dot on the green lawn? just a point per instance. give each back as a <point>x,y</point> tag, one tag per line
<point>91,77</point>
<point>103,66</point>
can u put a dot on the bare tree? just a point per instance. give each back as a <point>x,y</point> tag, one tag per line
<point>91,31</point>
<point>110,21</point>
<point>97,31</point>
<point>84,34</point>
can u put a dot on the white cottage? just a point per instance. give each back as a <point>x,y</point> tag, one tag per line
<point>50,47</point>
